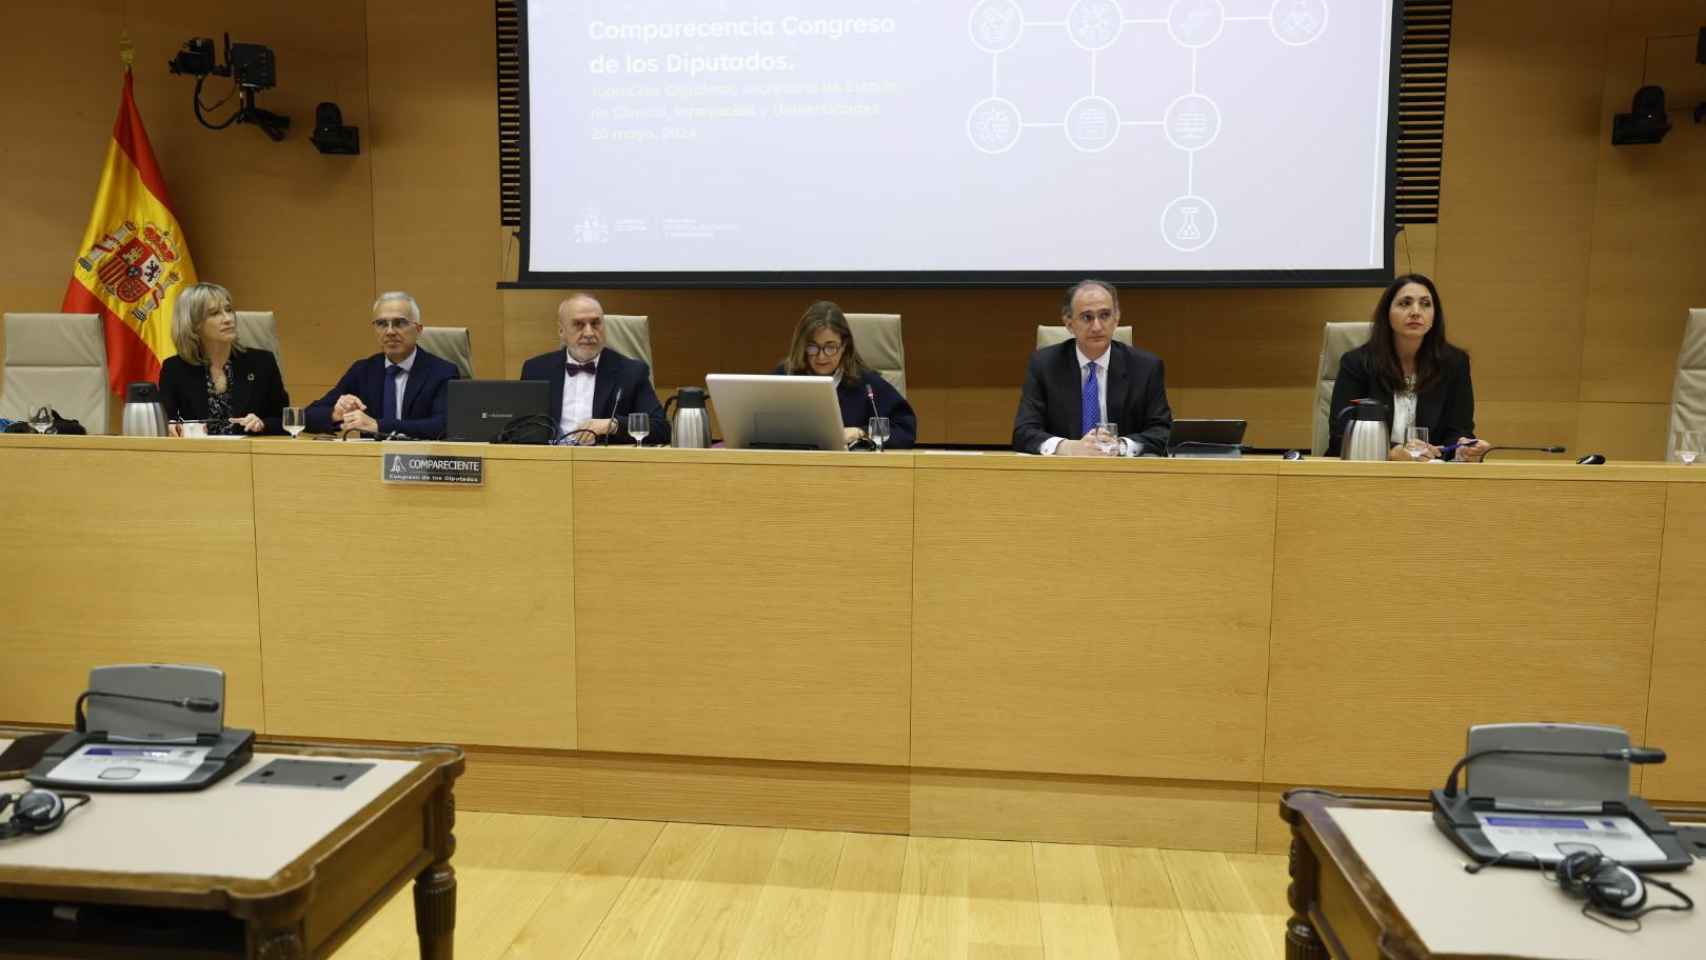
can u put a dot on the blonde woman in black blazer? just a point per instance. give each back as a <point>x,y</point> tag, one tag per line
<point>213,377</point>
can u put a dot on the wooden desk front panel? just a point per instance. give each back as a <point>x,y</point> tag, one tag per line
<point>125,551</point>
<point>741,606</point>
<point>1108,620</point>
<point>1677,718</point>
<point>417,613</point>
<point>1406,609</point>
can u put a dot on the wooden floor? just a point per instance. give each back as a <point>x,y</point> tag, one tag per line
<point>550,887</point>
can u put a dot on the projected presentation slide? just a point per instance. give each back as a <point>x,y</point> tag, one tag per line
<point>764,138</point>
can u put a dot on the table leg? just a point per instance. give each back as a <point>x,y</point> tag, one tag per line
<point>1302,942</point>
<point>435,888</point>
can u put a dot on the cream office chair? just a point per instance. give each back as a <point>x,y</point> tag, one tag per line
<point>1049,334</point>
<point>450,343</point>
<point>877,335</point>
<point>1337,337</point>
<point>57,360</point>
<point>256,328</point>
<point>1688,396</point>
<point>629,335</point>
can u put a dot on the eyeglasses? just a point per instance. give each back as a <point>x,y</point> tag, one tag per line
<point>393,323</point>
<point>827,349</point>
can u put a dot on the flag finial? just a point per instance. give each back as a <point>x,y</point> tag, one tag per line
<point>126,49</point>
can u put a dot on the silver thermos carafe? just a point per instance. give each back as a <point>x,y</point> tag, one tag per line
<point>690,428</point>
<point>1368,430</point>
<point>143,415</point>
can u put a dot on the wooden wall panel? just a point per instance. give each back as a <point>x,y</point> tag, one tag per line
<point>1404,612</point>
<point>1677,712</point>
<point>1516,212</point>
<point>1038,585</point>
<point>114,556</point>
<point>434,149</point>
<point>757,606</point>
<point>417,613</point>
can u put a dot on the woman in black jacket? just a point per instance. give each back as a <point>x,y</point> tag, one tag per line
<point>213,377</point>
<point>1408,365</point>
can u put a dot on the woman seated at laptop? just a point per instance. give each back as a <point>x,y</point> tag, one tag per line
<point>1408,365</point>
<point>214,378</point>
<point>823,346</point>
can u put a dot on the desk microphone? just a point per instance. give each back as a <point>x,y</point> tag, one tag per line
<point>192,704</point>
<point>1629,754</point>
<point>615,401</point>
<point>1552,449</point>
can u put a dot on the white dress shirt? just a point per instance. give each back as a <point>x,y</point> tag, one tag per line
<point>1128,448</point>
<point>577,395</point>
<point>402,382</point>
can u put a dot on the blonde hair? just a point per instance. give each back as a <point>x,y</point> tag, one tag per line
<point>194,304</point>
<point>819,316</point>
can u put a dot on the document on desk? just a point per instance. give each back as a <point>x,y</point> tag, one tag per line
<point>97,763</point>
<point>1549,837</point>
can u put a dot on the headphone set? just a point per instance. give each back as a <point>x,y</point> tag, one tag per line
<point>1609,888</point>
<point>36,811</point>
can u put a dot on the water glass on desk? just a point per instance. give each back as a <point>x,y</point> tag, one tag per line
<point>294,423</point>
<point>879,431</point>
<point>639,424</point>
<point>1416,442</point>
<point>1688,443</point>
<point>1108,438</point>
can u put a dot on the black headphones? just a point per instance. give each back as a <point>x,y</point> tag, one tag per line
<point>1610,887</point>
<point>37,811</point>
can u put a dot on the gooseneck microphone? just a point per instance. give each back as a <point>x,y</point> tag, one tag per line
<point>871,395</point>
<point>1555,448</point>
<point>1629,754</point>
<point>192,704</point>
<point>614,402</point>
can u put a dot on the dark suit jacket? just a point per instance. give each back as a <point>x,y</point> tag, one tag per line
<point>615,372</point>
<point>424,398</point>
<point>1447,408</point>
<point>1052,399</point>
<point>256,387</point>
<point>856,408</point>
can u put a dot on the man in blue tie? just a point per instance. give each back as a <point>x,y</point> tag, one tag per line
<point>399,390</point>
<point>1092,378</point>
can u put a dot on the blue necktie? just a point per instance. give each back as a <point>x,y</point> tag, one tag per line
<point>1092,410</point>
<point>389,402</point>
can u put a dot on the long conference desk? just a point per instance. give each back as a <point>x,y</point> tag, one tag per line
<point>988,645</point>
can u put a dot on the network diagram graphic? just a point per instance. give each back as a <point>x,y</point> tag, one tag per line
<point>1093,122</point>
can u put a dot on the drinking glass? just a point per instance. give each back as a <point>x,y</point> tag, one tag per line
<point>639,424</point>
<point>41,420</point>
<point>1688,444</point>
<point>1416,442</point>
<point>879,431</point>
<point>294,423</point>
<point>1108,438</point>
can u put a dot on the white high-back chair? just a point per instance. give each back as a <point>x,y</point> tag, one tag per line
<point>877,337</point>
<point>256,329</point>
<point>1688,395</point>
<point>631,336</point>
<point>450,343</point>
<point>1049,334</point>
<point>57,360</point>
<point>1337,338</point>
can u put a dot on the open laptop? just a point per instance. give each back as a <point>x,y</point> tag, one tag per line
<point>479,409</point>
<point>772,412</point>
<point>1206,438</point>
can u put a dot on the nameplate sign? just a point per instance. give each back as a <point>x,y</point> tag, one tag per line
<point>425,468</point>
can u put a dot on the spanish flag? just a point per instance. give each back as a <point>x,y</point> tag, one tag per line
<point>133,262</point>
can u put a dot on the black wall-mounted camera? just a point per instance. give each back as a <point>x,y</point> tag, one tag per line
<point>251,66</point>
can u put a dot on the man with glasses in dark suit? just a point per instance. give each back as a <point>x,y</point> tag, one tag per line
<point>1092,379</point>
<point>397,391</point>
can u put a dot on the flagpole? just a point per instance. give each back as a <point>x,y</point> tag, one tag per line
<point>126,49</point>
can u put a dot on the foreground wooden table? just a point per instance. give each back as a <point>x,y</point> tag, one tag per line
<point>1376,880</point>
<point>75,908</point>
